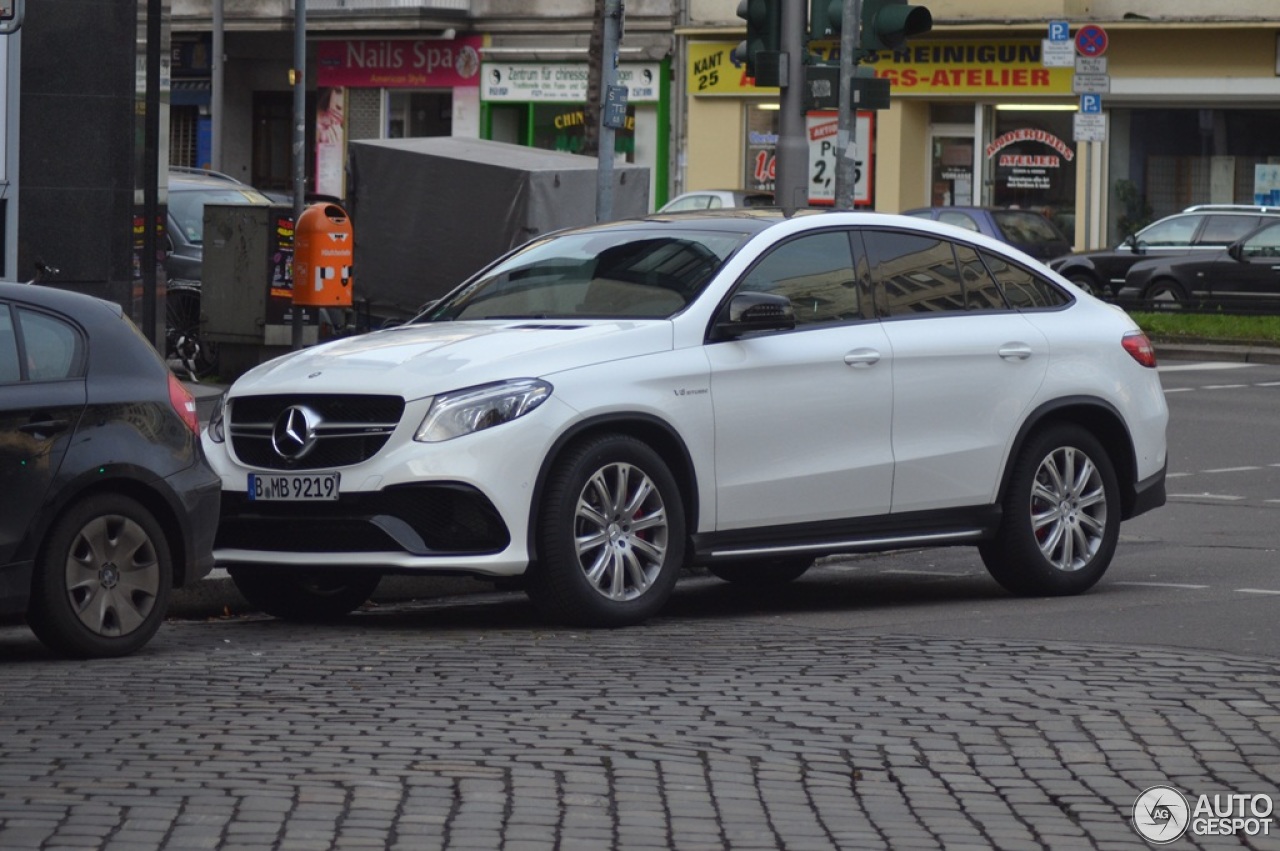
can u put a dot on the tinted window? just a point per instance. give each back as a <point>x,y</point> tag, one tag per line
<point>52,347</point>
<point>1224,230</point>
<point>915,273</point>
<point>8,348</point>
<point>981,292</point>
<point>1021,288</point>
<point>815,272</point>
<point>1171,232</point>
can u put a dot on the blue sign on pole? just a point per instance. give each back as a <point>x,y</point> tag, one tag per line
<point>1059,31</point>
<point>1091,104</point>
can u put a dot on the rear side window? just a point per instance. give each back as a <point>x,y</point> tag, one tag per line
<point>1022,289</point>
<point>1224,230</point>
<point>52,347</point>
<point>1025,228</point>
<point>914,273</point>
<point>958,219</point>
<point>9,370</point>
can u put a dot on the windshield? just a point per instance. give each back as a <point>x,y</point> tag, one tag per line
<point>648,273</point>
<point>187,206</point>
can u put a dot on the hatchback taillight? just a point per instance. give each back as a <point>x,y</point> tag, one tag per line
<point>1139,348</point>
<point>184,403</point>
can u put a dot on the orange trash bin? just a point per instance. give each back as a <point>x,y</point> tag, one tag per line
<point>323,254</point>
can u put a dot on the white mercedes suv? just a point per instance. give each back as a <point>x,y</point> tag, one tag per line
<point>738,390</point>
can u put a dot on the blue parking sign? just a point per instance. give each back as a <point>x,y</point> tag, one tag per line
<point>1059,31</point>
<point>1091,104</point>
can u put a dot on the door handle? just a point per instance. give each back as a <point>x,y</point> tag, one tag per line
<point>1014,351</point>
<point>862,358</point>
<point>44,428</point>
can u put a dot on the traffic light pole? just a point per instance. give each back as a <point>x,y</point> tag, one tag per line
<point>846,127</point>
<point>791,182</point>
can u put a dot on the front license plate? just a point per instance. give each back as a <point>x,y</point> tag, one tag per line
<point>293,487</point>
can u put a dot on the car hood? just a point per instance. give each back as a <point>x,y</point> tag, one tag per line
<point>414,361</point>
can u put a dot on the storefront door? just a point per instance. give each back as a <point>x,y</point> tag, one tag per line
<point>951,155</point>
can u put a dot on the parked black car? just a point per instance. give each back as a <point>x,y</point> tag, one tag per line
<point>1244,274</point>
<point>1029,231</point>
<point>1202,228</point>
<point>106,500</point>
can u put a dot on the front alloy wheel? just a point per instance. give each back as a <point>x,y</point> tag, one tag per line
<point>611,535</point>
<point>1061,516</point>
<point>102,582</point>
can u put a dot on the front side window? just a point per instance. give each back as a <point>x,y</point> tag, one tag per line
<point>1264,243</point>
<point>816,273</point>
<point>649,273</point>
<point>959,219</point>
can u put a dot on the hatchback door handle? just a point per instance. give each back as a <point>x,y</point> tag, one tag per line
<point>862,358</point>
<point>1015,351</point>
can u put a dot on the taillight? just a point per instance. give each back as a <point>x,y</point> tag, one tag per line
<point>184,403</point>
<point>1139,348</point>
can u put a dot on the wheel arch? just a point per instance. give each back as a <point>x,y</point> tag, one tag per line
<point>1101,419</point>
<point>139,491</point>
<point>653,431</point>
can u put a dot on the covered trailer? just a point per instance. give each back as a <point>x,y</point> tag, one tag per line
<point>427,213</point>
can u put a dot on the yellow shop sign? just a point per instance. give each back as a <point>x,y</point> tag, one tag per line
<point>712,71</point>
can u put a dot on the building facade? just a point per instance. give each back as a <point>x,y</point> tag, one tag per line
<point>1186,94</point>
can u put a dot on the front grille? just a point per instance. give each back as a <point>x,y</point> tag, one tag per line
<point>352,429</point>
<point>420,519</point>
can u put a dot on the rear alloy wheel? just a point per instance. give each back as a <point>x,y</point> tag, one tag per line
<point>1061,517</point>
<point>304,595</point>
<point>102,580</point>
<point>1165,295</point>
<point>762,574</point>
<point>610,535</point>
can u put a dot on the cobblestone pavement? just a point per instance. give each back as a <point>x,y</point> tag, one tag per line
<point>473,726</point>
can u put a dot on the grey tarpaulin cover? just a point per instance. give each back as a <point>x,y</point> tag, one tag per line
<point>427,213</point>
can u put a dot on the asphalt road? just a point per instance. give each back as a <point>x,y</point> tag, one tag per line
<point>899,701</point>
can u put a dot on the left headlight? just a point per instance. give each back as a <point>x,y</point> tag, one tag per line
<point>477,408</point>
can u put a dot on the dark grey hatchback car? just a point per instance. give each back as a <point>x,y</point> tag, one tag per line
<point>106,501</point>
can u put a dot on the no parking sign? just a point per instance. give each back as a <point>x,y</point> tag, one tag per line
<point>1091,40</point>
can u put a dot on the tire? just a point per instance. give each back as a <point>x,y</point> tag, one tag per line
<point>762,574</point>
<point>102,580</point>
<point>186,343</point>
<point>610,535</point>
<point>1165,294</point>
<point>1088,284</point>
<point>309,596</point>
<point>1061,517</point>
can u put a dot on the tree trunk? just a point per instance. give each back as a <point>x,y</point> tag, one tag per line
<point>595,72</point>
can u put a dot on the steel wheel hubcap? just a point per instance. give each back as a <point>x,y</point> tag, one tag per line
<point>620,532</point>
<point>1068,509</point>
<point>113,576</point>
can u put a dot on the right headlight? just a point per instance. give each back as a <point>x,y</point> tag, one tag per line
<point>474,409</point>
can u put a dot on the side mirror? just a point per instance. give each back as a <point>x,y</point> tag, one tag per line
<point>1236,250</point>
<point>753,312</point>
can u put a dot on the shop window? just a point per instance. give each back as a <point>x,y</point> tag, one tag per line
<point>562,127</point>
<point>762,147</point>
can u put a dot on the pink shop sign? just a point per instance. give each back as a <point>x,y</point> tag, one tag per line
<point>399,63</point>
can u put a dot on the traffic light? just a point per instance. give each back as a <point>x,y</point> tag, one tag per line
<point>825,18</point>
<point>764,31</point>
<point>887,24</point>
